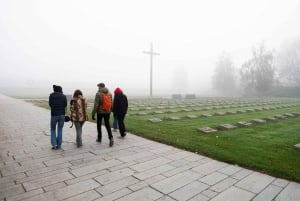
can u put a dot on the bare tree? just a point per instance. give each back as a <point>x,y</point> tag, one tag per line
<point>257,74</point>
<point>224,78</point>
<point>288,63</point>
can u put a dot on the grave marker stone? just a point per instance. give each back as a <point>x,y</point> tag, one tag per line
<point>243,124</point>
<point>155,120</point>
<point>297,147</point>
<point>207,130</point>
<point>226,127</point>
<point>258,121</point>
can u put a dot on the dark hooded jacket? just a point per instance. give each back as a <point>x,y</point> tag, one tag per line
<point>57,101</point>
<point>120,103</point>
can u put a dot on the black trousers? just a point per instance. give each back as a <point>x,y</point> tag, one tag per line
<point>104,116</point>
<point>121,124</point>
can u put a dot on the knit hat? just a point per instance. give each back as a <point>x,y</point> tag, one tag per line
<point>57,88</point>
<point>118,90</point>
<point>101,84</point>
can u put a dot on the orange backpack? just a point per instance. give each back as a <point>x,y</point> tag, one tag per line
<point>106,102</point>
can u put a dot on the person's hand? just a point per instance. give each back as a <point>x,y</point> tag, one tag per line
<point>93,117</point>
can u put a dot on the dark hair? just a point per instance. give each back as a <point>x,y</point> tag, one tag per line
<point>77,93</point>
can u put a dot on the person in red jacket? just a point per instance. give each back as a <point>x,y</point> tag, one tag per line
<point>120,107</point>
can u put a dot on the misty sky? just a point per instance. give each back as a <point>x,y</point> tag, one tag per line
<point>77,44</point>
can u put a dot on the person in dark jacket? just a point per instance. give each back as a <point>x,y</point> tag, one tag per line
<point>58,104</point>
<point>120,106</point>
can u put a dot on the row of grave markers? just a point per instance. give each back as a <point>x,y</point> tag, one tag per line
<point>206,115</point>
<point>241,124</point>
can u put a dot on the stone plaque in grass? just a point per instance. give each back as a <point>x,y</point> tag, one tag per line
<point>243,124</point>
<point>296,113</point>
<point>159,112</point>
<point>174,118</point>
<point>271,119</point>
<point>231,112</point>
<point>172,111</point>
<point>186,110</point>
<point>226,127</point>
<point>155,120</point>
<point>142,113</point>
<point>219,113</point>
<point>207,130</point>
<point>297,147</point>
<point>289,115</point>
<point>250,110</point>
<point>206,115</point>
<point>190,116</point>
<point>280,116</point>
<point>258,121</point>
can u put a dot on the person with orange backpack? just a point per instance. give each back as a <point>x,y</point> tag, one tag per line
<point>102,107</point>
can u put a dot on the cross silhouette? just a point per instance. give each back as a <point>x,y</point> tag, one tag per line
<point>151,53</point>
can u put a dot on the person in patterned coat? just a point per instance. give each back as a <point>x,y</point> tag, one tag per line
<point>78,108</point>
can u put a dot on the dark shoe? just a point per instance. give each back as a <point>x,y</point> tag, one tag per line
<point>79,145</point>
<point>54,147</point>
<point>98,140</point>
<point>111,142</point>
<point>123,135</point>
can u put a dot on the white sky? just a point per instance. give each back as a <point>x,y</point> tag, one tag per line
<point>79,43</point>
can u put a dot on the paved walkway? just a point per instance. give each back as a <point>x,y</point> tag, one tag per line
<point>134,169</point>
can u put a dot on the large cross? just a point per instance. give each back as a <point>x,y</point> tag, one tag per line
<point>151,58</point>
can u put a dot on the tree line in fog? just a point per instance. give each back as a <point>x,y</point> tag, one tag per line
<point>266,72</point>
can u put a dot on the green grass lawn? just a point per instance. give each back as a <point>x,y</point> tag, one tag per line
<point>267,148</point>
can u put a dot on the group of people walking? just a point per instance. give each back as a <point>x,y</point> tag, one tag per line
<point>104,104</point>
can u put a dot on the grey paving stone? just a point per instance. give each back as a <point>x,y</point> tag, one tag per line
<point>234,194</point>
<point>280,182</point>
<point>199,197</point>
<point>213,178</point>
<point>224,184</point>
<point>165,198</point>
<point>172,183</point>
<point>189,191</point>
<point>115,195</point>
<point>67,192</point>
<point>46,181</point>
<point>11,190</point>
<point>209,167</point>
<point>117,185</point>
<point>94,168</point>
<point>114,176</point>
<point>268,194</point>
<point>255,182</point>
<point>24,195</point>
<point>86,196</point>
<point>55,186</point>
<point>150,164</point>
<point>144,194</point>
<point>290,193</point>
<point>230,169</point>
<point>153,172</point>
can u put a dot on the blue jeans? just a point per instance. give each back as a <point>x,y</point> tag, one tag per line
<point>56,137</point>
<point>115,123</point>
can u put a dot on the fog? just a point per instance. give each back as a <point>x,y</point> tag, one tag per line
<point>77,44</point>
